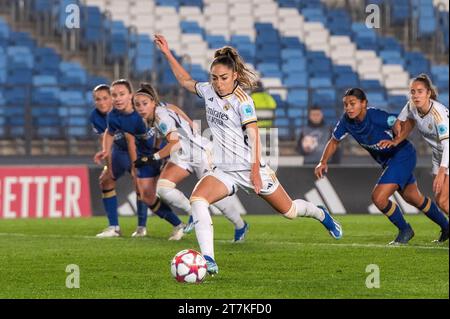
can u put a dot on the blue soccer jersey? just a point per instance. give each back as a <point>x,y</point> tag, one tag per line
<point>99,124</point>
<point>398,162</point>
<point>135,125</point>
<point>376,126</point>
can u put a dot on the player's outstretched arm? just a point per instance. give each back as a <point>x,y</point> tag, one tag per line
<point>181,113</point>
<point>173,145</point>
<point>183,77</point>
<point>328,152</point>
<point>401,130</point>
<point>105,153</point>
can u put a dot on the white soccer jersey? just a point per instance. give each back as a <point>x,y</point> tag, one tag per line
<point>227,117</point>
<point>433,125</point>
<point>168,121</point>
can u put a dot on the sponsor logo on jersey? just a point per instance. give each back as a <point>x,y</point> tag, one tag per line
<point>211,99</point>
<point>217,117</point>
<point>391,120</point>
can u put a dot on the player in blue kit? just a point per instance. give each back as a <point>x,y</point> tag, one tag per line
<point>369,127</point>
<point>143,144</point>
<point>117,164</point>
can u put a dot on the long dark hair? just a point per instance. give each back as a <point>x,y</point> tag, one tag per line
<point>356,92</point>
<point>148,89</point>
<point>123,82</point>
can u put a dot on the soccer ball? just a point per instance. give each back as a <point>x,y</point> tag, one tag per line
<point>188,266</point>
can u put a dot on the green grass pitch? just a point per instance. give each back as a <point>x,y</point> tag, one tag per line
<point>280,259</point>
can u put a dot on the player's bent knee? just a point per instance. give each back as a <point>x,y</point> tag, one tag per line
<point>148,197</point>
<point>380,201</point>
<point>106,184</point>
<point>442,201</point>
<point>163,186</point>
<point>194,199</point>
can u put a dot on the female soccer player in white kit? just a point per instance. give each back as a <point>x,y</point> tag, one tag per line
<point>188,152</point>
<point>432,122</point>
<point>236,146</point>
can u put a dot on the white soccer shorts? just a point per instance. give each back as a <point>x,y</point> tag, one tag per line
<point>241,179</point>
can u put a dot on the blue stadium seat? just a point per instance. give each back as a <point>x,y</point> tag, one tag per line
<point>296,80</point>
<point>2,99</point>
<point>298,98</point>
<point>3,75</point>
<point>72,98</point>
<point>20,57</point>
<point>346,81</point>
<point>324,97</point>
<point>215,41</point>
<point>20,76</point>
<point>46,96</point>
<point>42,6</point>
<point>191,27</point>
<point>320,82</point>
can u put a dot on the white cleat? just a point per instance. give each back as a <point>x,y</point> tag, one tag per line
<point>140,232</point>
<point>178,232</point>
<point>110,232</point>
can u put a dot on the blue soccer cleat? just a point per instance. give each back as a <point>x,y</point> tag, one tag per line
<point>403,237</point>
<point>239,234</point>
<point>190,225</point>
<point>332,225</point>
<point>211,266</point>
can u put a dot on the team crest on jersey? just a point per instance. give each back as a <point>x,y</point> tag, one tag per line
<point>227,106</point>
<point>248,110</point>
<point>391,120</point>
<point>430,127</point>
<point>442,129</point>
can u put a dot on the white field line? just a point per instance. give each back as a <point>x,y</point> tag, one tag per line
<point>280,243</point>
<point>349,245</point>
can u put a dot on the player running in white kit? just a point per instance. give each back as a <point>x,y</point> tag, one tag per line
<point>237,148</point>
<point>431,118</point>
<point>188,153</point>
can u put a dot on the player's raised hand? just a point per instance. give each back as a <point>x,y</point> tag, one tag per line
<point>321,169</point>
<point>439,180</point>
<point>99,157</point>
<point>162,44</point>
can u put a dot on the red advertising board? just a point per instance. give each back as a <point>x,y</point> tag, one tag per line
<point>44,192</point>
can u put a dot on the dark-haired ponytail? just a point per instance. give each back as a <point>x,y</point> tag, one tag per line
<point>356,92</point>
<point>149,90</point>
<point>123,82</point>
<point>230,57</point>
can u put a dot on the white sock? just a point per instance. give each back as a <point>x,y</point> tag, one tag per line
<point>203,226</point>
<point>307,209</point>
<point>231,207</point>
<point>170,195</point>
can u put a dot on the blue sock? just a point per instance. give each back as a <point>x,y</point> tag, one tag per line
<point>141,212</point>
<point>393,212</point>
<point>110,204</point>
<point>430,209</point>
<point>165,212</point>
